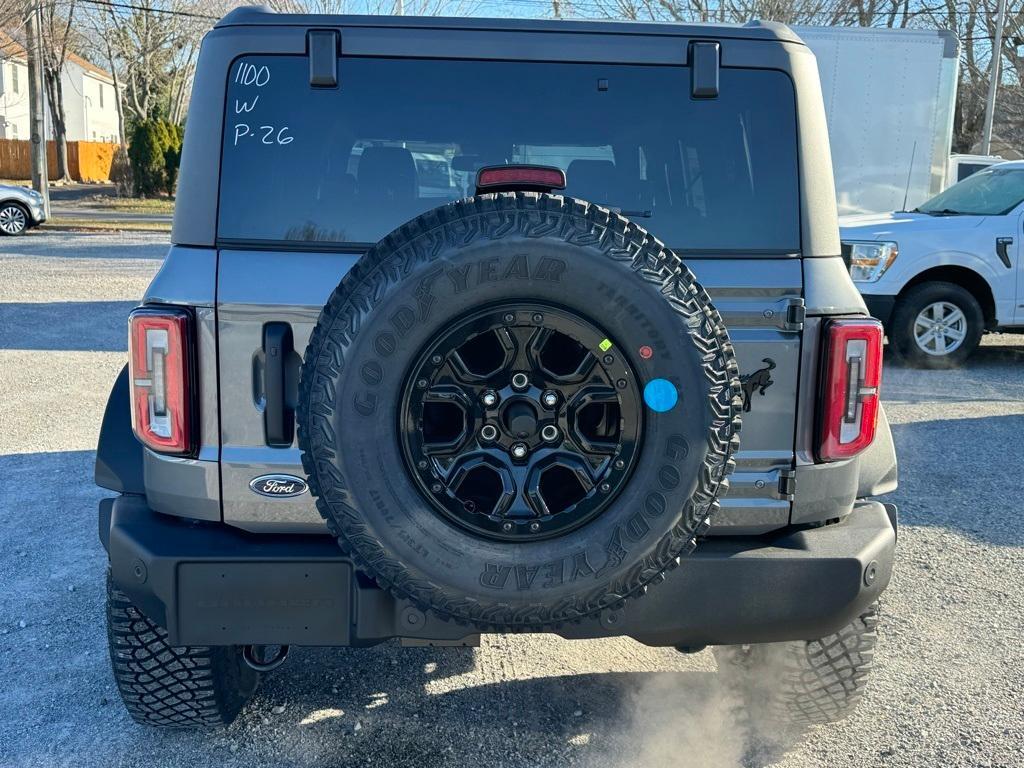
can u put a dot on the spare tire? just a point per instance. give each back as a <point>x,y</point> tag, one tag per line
<point>518,410</point>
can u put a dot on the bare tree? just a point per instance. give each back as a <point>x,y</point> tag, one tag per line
<point>12,12</point>
<point>379,7</point>
<point>57,43</point>
<point>891,13</point>
<point>974,22</point>
<point>152,47</point>
<point>99,40</point>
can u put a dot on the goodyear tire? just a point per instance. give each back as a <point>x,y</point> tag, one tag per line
<point>646,329</point>
<point>780,687</point>
<point>167,686</point>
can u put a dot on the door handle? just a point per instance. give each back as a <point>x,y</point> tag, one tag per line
<point>278,418</point>
<point>1002,250</point>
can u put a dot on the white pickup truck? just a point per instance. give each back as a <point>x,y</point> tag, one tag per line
<point>944,273</point>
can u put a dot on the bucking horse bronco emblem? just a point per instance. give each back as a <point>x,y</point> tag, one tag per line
<point>758,381</point>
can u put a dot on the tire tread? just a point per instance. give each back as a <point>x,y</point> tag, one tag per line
<point>171,686</point>
<point>814,682</point>
<point>493,216</point>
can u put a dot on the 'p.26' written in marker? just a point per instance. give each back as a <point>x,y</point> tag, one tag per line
<point>263,134</point>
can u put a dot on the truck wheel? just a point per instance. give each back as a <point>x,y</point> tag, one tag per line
<point>518,410</point>
<point>781,686</point>
<point>936,325</point>
<point>168,686</point>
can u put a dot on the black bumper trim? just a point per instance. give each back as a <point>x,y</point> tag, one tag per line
<point>211,584</point>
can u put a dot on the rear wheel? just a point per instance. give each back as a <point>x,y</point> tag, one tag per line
<point>172,686</point>
<point>937,325</point>
<point>779,687</point>
<point>13,218</point>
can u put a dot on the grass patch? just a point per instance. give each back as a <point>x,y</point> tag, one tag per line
<point>124,204</point>
<point>113,224</point>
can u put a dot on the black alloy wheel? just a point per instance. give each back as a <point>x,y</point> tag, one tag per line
<point>519,410</point>
<point>521,421</point>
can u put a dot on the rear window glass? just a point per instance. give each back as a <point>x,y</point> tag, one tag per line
<point>402,136</point>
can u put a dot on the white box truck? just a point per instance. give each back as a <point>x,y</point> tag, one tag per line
<point>889,97</point>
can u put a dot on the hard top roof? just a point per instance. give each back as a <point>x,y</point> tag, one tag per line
<point>754,30</point>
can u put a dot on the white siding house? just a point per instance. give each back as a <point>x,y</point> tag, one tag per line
<point>89,103</point>
<point>89,106</point>
<point>13,99</point>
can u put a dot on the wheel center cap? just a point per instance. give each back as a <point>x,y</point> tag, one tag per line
<point>521,418</point>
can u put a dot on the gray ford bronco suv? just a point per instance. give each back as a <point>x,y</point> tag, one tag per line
<point>456,334</point>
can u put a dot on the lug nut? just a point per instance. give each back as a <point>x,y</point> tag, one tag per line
<point>549,433</point>
<point>437,488</point>
<point>605,488</point>
<point>509,318</point>
<point>436,359</point>
<point>520,381</point>
<point>519,450</point>
<point>534,527</point>
<point>538,318</point>
<point>489,398</point>
<point>620,464</point>
<point>506,527</point>
<point>550,399</point>
<point>488,432</point>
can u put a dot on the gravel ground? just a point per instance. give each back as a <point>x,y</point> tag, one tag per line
<point>948,689</point>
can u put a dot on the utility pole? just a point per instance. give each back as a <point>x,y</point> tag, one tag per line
<point>37,104</point>
<point>993,85</point>
<point>400,8</point>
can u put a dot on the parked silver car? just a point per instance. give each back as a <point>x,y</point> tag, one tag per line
<point>20,209</point>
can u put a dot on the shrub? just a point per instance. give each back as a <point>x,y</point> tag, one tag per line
<point>172,154</point>
<point>172,160</point>
<point>155,155</point>
<point>147,158</point>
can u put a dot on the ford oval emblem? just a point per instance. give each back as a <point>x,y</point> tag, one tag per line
<point>278,486</point>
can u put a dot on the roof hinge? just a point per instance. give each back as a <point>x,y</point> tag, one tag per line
<point>704,64</point>
<point>324,47</point>
<point>795,314</point>
<point>787,484</point>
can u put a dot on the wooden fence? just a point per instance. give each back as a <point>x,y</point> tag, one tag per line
<point>87,160</point>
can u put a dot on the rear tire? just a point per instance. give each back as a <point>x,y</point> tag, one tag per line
<point>786,686</point>
<point>172,687</point>
<point>919,309</point>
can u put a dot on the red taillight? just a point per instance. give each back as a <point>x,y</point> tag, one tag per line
<point>496,178</point>
<point>158,367</point>
<point>853,374</point>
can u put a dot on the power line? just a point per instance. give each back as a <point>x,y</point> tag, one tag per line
<point>165,11</point>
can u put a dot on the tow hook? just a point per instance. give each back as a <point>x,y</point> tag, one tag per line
<point>252,655</point>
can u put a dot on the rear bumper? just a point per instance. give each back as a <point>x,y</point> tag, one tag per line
<point>211,584</point>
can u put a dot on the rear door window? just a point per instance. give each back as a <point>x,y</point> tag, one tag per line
<point>401,136</point>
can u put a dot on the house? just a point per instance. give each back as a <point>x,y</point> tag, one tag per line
<point>89,105</point>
